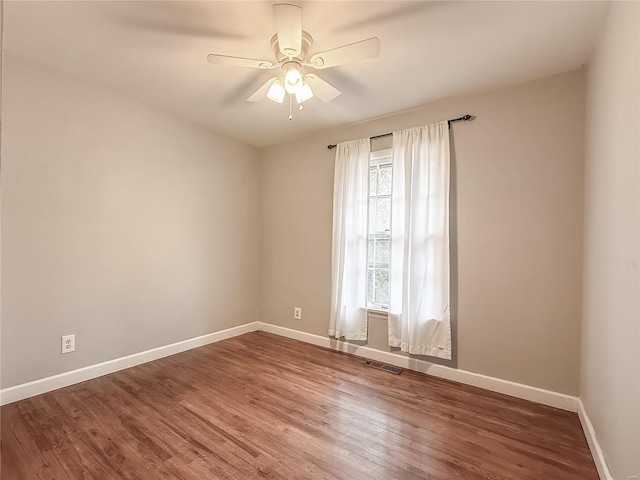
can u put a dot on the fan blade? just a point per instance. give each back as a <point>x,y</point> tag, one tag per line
<point>238,61</point>
<point>321,89</point>
<point>353,52</point>
<point>261,93</point>
<point>289,28</point>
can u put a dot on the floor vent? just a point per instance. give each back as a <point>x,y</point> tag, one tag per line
<point>383,366</point>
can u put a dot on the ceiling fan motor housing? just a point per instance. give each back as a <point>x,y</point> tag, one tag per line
<point>307,42</point>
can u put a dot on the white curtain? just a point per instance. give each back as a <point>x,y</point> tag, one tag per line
<point>349,255</point>
<point>419,314</point>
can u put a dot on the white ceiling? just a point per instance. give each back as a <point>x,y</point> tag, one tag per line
<point>156,52</point>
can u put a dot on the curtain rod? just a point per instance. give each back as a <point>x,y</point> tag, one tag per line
<point>463,118</point>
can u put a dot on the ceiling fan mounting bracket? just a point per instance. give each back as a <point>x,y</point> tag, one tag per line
<point>307,43</point>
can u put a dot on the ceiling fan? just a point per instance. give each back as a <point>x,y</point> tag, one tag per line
<point>291,47</point>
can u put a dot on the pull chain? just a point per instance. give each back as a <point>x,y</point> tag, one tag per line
<point>290,115</point>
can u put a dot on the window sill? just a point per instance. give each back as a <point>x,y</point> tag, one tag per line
<point>375,313</point>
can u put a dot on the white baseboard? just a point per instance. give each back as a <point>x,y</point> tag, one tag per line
<point>37,387</point>
<point>594,446</point>
<point>534,394</point>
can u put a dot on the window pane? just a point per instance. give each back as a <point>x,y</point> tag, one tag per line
<point>373,181</point>
<point>383,215</point>
<point>382,252</point>
<point>372,214</point>
<point>384,181</point>
<point>380,179</point>
<point>370,298</point>
<point>382,287</point>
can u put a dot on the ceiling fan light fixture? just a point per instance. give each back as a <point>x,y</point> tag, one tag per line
<point>277,91</point>
<point>304,93</point>
<point>292,79</point>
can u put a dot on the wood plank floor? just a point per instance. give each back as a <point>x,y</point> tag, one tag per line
<point>263,406</point>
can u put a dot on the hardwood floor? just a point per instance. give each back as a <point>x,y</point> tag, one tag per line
<point>263,406</point>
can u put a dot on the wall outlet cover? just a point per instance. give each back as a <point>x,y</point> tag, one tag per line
<point>68,343</point>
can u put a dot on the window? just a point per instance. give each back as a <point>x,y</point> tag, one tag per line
<point>379,225</point>
<point>373,270</point>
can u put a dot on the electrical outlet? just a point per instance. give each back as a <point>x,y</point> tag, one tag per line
<point>68,343</point>
<point>297,313</point>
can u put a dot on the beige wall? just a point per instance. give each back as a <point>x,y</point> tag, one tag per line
<point>610,380</point>
<point>121,224</point>
<point>1,60</point>
<point>516,229</point>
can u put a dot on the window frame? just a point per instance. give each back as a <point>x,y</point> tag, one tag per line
<point>377,159</point>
